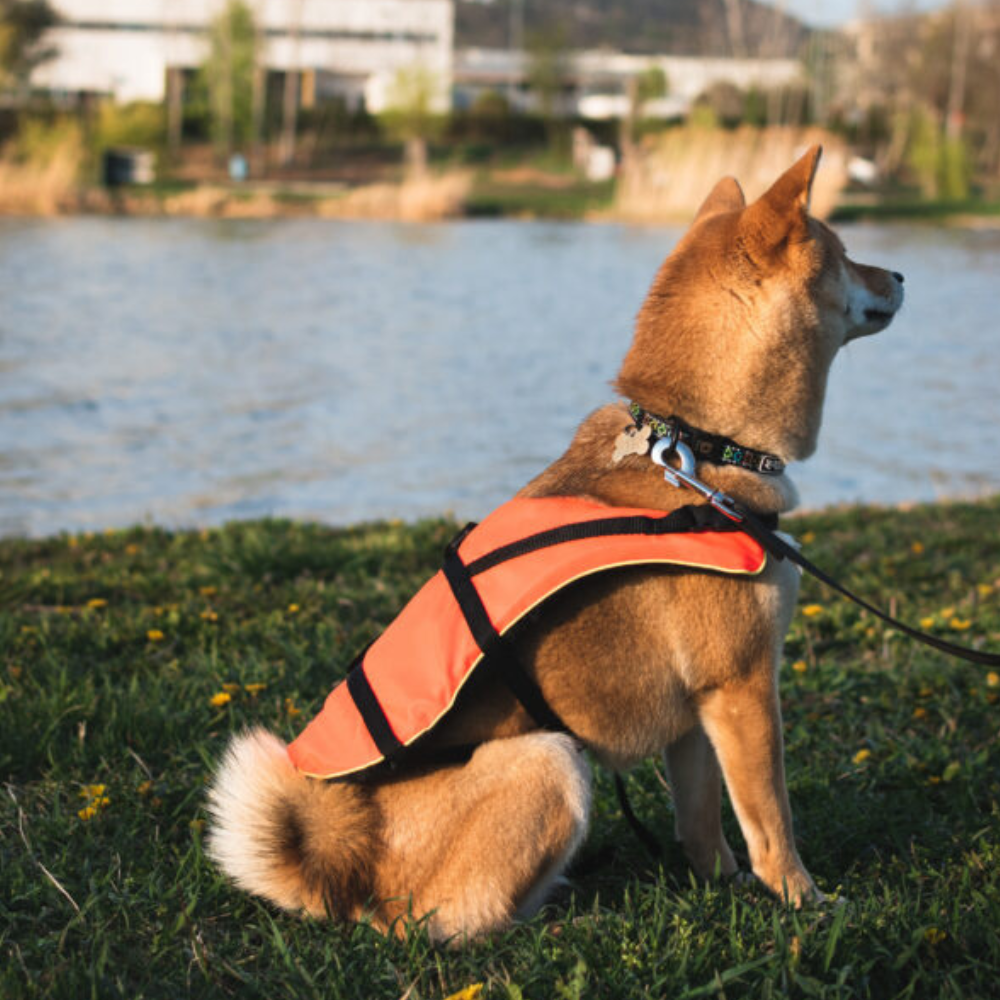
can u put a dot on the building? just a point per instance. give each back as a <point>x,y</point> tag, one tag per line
<point>131,50</point>
<point>596,83</point>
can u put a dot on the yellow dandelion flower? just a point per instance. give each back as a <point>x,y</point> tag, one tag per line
<point>72,541</point>
<point>934,936</point>
<point>925,692</point>
<point>145,787</point>
<point>232,687</point>
<point>254,689</point>
<point>960,624</point>
<point>97,602</point>
<point>993,679</point>
<point>293,609</point>
<point>208,615</point>
<point>197,825</point>
<point>917,548</point>
<point>812,610</point>
<point>473,992</point>
<point>131,549</point>
<point>808,538</point>
<point>155,635</point>
<point>948,612</point>
<point>92,791</point>
<point>290,708</point>
<point>920,712</point>
<point>933,780</point>
<point>984,589</point>
<point>800,666</point>
<point>927,621</point>
<point>208,591</point>
<point>87,812</point>
<point>861,756</point>
<point>220,698</point>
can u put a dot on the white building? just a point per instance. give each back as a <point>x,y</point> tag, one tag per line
<point>353,48</point>
<point>596,82</point>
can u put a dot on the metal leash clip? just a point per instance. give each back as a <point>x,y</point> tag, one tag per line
<point>684,476</point>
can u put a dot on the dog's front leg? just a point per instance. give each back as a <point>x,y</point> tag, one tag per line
<point>696,785</point>
<point>743,720</point>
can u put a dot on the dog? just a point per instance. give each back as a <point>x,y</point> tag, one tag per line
<point>734,340</point>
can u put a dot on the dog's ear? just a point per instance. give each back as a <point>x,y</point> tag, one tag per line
<point>726,196</point>
<point>782,210</point>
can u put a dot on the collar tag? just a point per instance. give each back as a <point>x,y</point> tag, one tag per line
<point>632,441</point>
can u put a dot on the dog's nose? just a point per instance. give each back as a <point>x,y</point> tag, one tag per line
<point>898,276</point>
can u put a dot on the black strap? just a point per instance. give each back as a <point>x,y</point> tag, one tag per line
<point>371,711</point>
<point>497,650</point>
<point>649,839</point>
<point>695,517</point>
<point>778,547</point>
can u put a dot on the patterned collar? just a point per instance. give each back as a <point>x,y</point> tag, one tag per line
<point>704,446</point>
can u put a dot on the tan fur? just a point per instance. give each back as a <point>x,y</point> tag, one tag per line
<point>736,337</point>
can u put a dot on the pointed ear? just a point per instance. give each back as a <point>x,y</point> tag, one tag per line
<point>781,212</point>
<point>726,196</point>
<point>791,191</point>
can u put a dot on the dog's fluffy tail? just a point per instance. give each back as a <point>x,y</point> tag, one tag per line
<point>301,843</point>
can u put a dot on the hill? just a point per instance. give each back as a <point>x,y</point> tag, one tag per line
<point>663,27</point>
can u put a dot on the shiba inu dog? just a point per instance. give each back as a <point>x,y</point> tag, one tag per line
<point>732,349</point>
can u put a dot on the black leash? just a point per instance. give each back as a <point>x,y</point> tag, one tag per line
<point>782,550</point>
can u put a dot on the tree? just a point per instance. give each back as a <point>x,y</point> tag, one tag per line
<point>410,114</point>
<point>229,74</point>
<point>548,71</point>
<point>23,24</point>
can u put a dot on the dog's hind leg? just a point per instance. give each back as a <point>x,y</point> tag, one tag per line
<point>696,786</point>
<point>475,846</point>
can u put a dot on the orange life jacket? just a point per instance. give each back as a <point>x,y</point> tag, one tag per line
<point>494,574</point>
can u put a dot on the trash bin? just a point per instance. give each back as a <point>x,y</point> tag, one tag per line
<point>128,166</point>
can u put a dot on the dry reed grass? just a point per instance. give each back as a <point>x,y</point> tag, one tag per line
<point>42,179</point>
<point>419,199</point>
<point>672,174</point>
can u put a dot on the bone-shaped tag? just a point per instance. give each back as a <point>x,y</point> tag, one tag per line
<point>632,441</point>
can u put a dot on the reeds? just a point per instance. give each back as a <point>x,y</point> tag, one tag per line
<point>40,170</point>
<point>671,174</point>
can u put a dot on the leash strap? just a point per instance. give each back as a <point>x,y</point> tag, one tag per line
<point>782,550</point>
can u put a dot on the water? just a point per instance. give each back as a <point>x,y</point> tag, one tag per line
<point>187,372</point>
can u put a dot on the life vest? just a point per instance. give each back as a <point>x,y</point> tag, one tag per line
<point>495,573</point>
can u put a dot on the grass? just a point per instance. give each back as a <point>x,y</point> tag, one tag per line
<point>118,654</point>
<point>915,209</point>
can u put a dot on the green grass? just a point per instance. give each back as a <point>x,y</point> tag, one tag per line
<point>492,197</point>
<point>113,647</point>
<point>914,209</point>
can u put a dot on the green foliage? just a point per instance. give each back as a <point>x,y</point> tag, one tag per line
<point>114,652</point>
<point>225,82</point>
<point>39,140</point>
<point>941,165</point>
<point>650,84</point>
<point>411,104</point>
<point>140,124</point>
<point>23,24</point>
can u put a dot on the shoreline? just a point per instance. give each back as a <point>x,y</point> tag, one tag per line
<point>451,196</point>
<point>837,510</point>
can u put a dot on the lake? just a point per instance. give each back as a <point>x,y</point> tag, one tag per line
<point>189,372</point>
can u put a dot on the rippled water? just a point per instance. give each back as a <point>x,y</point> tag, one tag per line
<point>189,372</point>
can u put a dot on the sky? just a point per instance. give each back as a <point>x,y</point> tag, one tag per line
<point>829,13</point>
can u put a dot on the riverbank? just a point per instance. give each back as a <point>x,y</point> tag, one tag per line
<point>128,658</point>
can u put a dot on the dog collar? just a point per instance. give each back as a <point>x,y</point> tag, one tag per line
<point>650,428</point>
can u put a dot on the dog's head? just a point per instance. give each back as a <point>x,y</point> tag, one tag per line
<point>745,316</point>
